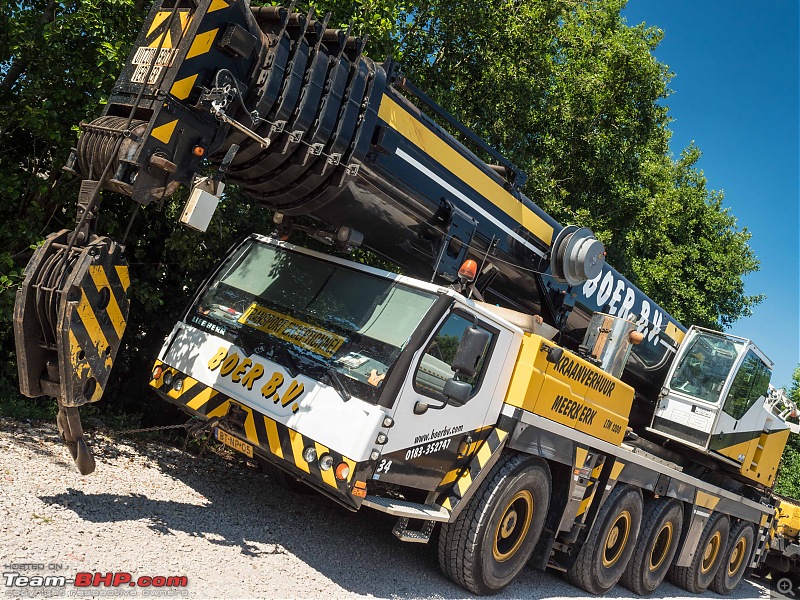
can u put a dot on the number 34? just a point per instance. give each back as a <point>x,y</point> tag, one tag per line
<point>384,466</point>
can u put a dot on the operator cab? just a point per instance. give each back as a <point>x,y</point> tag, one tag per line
<point>715,401</point>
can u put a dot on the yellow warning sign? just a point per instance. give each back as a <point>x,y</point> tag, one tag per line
<point>291,330</point>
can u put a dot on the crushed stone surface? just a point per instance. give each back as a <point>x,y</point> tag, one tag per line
<point>150,509</point>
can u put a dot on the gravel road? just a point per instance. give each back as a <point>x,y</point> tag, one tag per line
<point>151,510</point>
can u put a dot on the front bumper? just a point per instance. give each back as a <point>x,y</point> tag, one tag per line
<point>271,440</point>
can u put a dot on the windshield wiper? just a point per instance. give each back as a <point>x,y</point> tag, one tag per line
<point>244,341</point>
<point>288,359</point>
<point>337,383</point>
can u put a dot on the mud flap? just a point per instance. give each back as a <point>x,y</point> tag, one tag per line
<point>69,317</point>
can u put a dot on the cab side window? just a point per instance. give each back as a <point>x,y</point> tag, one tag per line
<point>435,367</point>
<point>750,383</point>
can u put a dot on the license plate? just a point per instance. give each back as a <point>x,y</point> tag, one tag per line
<point>233,442</point>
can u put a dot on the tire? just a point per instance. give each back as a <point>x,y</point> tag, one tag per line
<point>610,545</point>
<point>736,558</point>
<point>698,576</point>
<point>283,479</point>
<point>659,537</point>
<point>491,540</point>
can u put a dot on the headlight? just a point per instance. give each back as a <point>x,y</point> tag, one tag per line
<point>325,462</point>
<point>310,454</point>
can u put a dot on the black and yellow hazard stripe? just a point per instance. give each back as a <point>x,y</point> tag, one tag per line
<point>200,45</point>
<point>433,144</point>
<point>591,488</point>
<point>97,322</point>
<point>455,485</point>
<point>158,36</point>
<point>269,437</point>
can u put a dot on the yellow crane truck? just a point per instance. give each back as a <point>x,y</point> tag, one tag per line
<point>783,558</point>
<point>512,396</point>
<point>782,561</point>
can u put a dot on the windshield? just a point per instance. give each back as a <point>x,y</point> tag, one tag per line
<point>328,317</point>
<point>705,366</point>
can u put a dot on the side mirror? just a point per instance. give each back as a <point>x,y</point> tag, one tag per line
<point>470,350</point>
<point>554,355</point>
<point>457,392</point>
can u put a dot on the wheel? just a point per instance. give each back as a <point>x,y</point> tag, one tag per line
<point>707,557</point>
<point>736,558</point>
<point>606,552</point>
<point>282,478</point>
<point>658,541</point>
<point>494,536</point>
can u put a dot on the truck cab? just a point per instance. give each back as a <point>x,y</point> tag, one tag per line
<point>715,400</point>
<point>337,372</point>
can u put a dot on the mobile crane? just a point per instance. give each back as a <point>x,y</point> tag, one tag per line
<point>627,449</point>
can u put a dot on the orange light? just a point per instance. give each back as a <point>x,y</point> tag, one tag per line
<point>468,271</point>
<point>342,471</point>
<point>198,151</point>
<point>157,372</point>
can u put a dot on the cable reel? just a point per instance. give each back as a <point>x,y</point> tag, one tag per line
<point>577,255</point>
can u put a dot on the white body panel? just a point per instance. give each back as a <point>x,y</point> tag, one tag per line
<point>347,427</point>
<point>689,412</point>
<point>482,409</point>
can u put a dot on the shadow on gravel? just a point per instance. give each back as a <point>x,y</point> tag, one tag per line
<point>355,550</point>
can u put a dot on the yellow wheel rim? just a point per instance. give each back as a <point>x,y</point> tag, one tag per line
<point>617,539</point>
<point>737,556</point>
<point>711,552</point>
<point>661,547</point>
<point>513,526</point>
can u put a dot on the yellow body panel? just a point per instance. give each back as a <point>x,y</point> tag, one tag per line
<point>572,392</point>
<point>762,455</point>
<point>444,154</point>
<point>789,519</point>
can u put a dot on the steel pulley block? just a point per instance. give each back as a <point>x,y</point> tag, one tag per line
<point>69,318</point>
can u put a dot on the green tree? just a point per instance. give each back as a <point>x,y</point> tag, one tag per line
<point>567,90</point>
<point>574,95</point>
<point>58,60</point>
<point>794,389</point>
<point>788,482</point>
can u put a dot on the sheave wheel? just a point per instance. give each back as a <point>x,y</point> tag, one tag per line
<point>658,542</point>
<point>736,558</point>
<point>709,554</point>
<point>607,550</point>
<point>494,536</point>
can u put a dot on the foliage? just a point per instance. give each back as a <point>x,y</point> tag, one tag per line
<point>788,482</point>
<point>794,389</point>
<point>573,95</point>
<point>43,95</point>
<point>566,89</point>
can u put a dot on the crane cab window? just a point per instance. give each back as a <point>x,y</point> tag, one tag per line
<point>705,366</point>
<point>750,384</point>
<point>434,369</point>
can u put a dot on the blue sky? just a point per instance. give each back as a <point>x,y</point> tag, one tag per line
<point>735,93</point>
